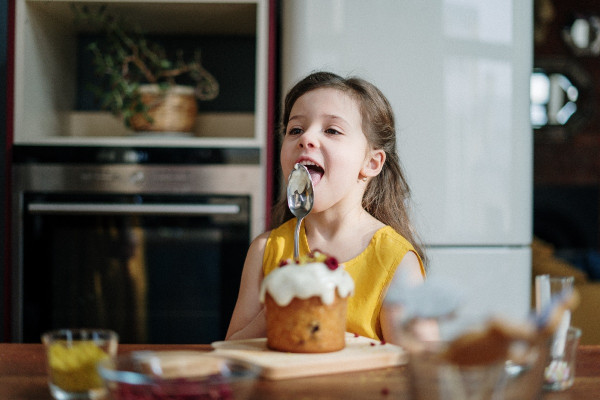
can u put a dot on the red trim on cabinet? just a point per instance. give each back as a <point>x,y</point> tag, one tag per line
<point>10,65</point>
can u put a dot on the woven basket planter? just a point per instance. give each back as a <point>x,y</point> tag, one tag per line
<point>173,110</point>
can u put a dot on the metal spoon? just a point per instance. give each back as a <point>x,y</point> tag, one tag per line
<point>300,199</point>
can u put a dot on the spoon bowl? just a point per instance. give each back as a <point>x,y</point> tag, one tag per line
<point>300,199</point>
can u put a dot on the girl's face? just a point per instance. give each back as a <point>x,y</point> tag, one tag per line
<point>324,132</point>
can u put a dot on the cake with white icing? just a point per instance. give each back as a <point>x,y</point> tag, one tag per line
<point>306,304</point>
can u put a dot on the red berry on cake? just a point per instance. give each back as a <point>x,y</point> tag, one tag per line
<point>332,263</point>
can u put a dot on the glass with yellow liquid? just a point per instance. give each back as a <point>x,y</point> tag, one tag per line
<point>72,356</point>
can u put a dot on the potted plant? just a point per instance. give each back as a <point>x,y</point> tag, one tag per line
<point>141,82</point>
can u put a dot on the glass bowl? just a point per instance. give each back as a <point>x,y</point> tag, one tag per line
<point>177,375</point>
<point>432,377</point>
<point>482,363</point>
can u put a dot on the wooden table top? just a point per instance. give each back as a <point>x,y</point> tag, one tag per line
<point>23,377</point>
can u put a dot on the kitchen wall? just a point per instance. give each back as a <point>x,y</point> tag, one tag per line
<point>566,171</point>
<point>567,163</point>
<point>3,165</point>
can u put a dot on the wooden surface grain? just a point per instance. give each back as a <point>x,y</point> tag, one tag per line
<point>23,377</point>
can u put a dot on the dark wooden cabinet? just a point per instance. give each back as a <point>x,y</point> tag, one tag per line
<point>572,162</point>
<point>576,159</point>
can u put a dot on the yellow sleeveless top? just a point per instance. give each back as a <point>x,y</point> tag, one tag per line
<point>372,271</point>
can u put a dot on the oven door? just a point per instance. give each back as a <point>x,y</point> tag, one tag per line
<point>156,268</point>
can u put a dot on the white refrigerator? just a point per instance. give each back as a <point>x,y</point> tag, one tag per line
<point>457,74</point>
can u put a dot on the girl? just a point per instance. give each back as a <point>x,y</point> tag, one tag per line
<point>343,131</point>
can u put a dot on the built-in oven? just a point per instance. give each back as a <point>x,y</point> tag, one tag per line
<point>133,240</point>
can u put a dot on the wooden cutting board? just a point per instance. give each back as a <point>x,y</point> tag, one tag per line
<point>360,353</point>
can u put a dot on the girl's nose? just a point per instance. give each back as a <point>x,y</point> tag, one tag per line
<point>309,139</point>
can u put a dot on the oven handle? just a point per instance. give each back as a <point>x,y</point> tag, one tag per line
<point>133,209</point>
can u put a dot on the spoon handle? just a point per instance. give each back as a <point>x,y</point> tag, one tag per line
<point>297,239</point>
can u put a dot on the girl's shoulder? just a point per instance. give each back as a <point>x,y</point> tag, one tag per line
<point>258,245</point>
<point>388,242</point>
<point>284,228</point>
<point>387,248</point>
<point>271,235</point>
<point>388,236</point>
<point>279,245</point>
<point>262,238</point>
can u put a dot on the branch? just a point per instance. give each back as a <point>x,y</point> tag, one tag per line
<point>134,59</point>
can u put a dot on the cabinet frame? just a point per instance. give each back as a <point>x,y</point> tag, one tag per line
<point>45,67</point>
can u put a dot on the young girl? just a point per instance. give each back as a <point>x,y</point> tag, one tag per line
<point>343,131</point>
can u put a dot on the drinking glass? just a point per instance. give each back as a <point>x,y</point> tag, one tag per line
<point>559,372</point>
<point>72,355</point>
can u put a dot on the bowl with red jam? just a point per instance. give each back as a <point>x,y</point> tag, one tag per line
<point>177,375</point>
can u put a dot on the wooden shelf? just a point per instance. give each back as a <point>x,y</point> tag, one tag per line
<point>161,16</point>
<point>46,69</point>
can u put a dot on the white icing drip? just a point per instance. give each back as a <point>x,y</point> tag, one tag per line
<point>305,281</point>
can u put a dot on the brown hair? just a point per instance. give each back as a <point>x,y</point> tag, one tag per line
<point>387,195</point>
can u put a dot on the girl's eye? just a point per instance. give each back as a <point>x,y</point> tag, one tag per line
<point>333,131</point>
<point>294,131</point>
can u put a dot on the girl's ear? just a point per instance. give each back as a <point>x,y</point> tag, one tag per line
<point>373,163</point>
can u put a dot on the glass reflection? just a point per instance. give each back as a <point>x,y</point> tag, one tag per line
<point>488,21</point>
<point>582,35</point>
<point>480,132</point>
<point>553,99</point>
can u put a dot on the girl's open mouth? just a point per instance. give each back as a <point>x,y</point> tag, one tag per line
<point>315,171</point>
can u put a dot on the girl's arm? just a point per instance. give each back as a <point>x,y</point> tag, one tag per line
<point>248,319</point>
<point>410,268</point>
